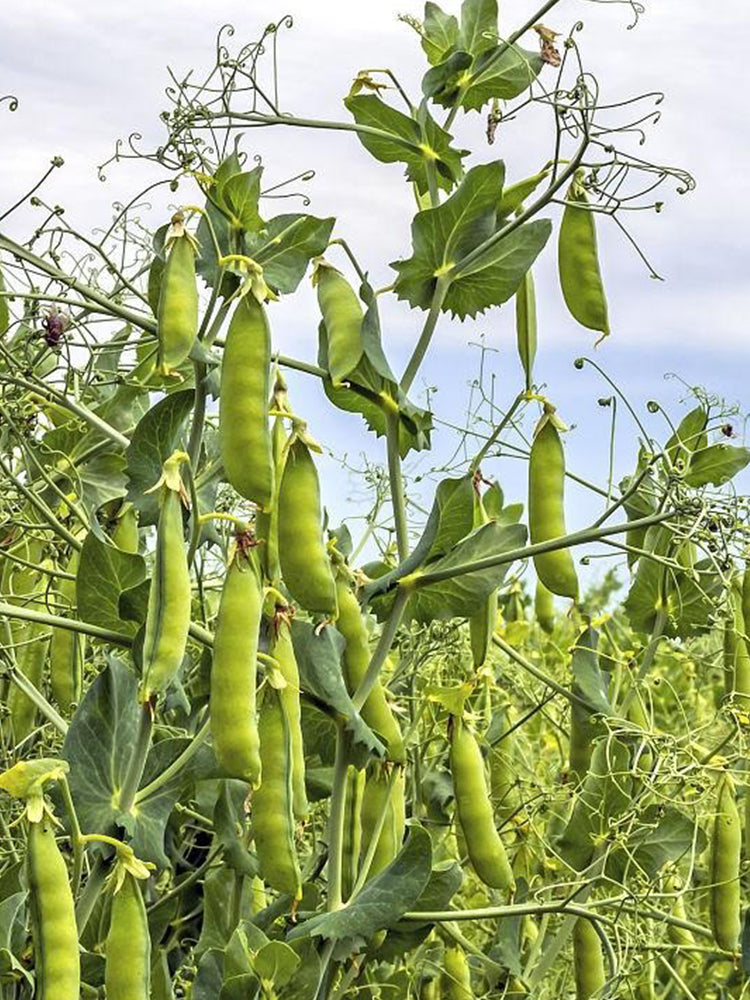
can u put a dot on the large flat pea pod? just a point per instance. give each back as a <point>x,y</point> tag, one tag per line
<point>726,848</point>
<point>32,643</point>
<point>177,315</point>
<point>168,612</point>
<point>547,511</point>
<point>381,798</point>
<point>578,263</point>
<point>736,651</point>
<point>273,802</point>
<point>474,810</point>
<point>342,316</point>
<point>125,532</point>
<point>56,959</point>
<point>305,567</point>
<point>282,651</point>
<point>376,711</point>
<point>526,327</point>
<point>588,960</point>
<point>67,649</point>
<point>244,432</point>
<point>127,968</point>
<point>234,728</point>
<point>456,977</point>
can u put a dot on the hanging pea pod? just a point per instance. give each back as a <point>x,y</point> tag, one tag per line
<point>125,532</point>
<point>526,330</point>
<point>30,639</point>
<point>234,728</point>
<point>503,769</point>
<point>588,960</point>
<point>4,308</point>
<point>381,795</point>
<point>547,506</point>
<point>456,977</point>
<point>282,650</point>
<point>726,847</point>
<point>273,801</point>
<point>544,608</point>
<point>244,431</point>
<point>177,314</point>
<point>127,967</point>
<point>352,841</point>
<point>67,649</point>
<point>267,521</point>
<point>305,566</point>
<point>168,612</point>
<point>679,936</point>
<point>376,711</point>
<point>578,261</point>
<point>342,318</point>
<point>474,810</point>
<point>736,652</point>
<point>482,623</point>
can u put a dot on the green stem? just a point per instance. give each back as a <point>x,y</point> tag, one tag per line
<point>540,675</point>
<point>90,894</point>
<point>137,763</point>
<point>43,618</point>
<point>336,822</point>
<point>438,297</point>
<point>497,432</point>
<point>35,695</point>
<point>382,649</point>
<point>396,481</point>
<point>75,831</point>
<point>164,777</point>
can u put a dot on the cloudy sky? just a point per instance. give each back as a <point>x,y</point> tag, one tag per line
<point>87,73</point>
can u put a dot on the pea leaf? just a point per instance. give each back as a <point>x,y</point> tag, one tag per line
<point>478,25</point>
<point>154,439</point>
<point>501,71</point>
<point>589,682</point>
<point>664,835</point>
<point>439,33</point>
<point>689,437</point>
<point>416,142</point>
<point>104,574</point>
<point>716,464</point>
<point>443,237</point>
<point>286,246</point>
<point>238,195</point>
<point>276,963</point>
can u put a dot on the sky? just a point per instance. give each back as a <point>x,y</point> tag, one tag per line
<point>87,73</point>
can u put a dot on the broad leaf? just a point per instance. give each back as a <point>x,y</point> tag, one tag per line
<point>665,835</point>
<point>439,33</point>
<point>285,247</point>
<point>716,464</point>
<point>104,574</point>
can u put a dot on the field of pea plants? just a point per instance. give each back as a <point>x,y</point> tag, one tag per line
<point>249,752</point>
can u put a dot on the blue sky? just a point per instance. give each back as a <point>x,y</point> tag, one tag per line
<point>87,73</point>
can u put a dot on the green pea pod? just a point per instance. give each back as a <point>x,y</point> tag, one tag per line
<point>282,650</point>
<point>429,988</point>
<point>352,842</point>
<point>67,649</point>
<point>305,566</point>
<point>726,847</point>
<point>56,958</point>
<point>32,643</point>
<point>380,796</point>
<point>456,977</point>
<point>504,788</point>
<point>482,623</point>
<point>168,612</point>
<point>526,333</point>
<point>4,308</point>
<point>578,262</point>
<point>267,522</point>
<point>588,960</point>
<point>474,810</point>
<point>547,508</point>
<point>679,935</point>
<point>177,315</point>
<point>234,728</point>
<point>125,532</point>
<point>244,431</point>
<point>376,711</point>
<point>273,802</point>
<point>544,608</point>
<point>342,317</point>
<point>127,968</point>
<point>736,652</point>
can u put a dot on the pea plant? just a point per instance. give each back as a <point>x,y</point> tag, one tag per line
<point>248,752</point>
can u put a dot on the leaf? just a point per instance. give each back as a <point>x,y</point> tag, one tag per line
<point>443,237</point>
<point>665,835</point>
<point>516,194</point>
<point>413,142</point>
<point>238,195</point>
<point>716,464</point>
<point>439,33</point>
<point>690,436</point>
<point>104,573</point>
<point>589,681</point>
<point>646,595</point>
<point>504,71</point>
<point>478,20</point>
<point>154,439</point>
<point>445,881</point>
<point>276,963</point>
<point>286,246</point>
<point>383,900</point>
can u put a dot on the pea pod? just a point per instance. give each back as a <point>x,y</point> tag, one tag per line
<point>244,432</point>
<point>342,318</point>
<point>482,623</point>
<point>177,314</point>
<point>267,522</point>
<point>578,261</point>
<point>31,654</point>
<point>234,728</point>
<point>282,650</point>
<point>544,608</point>
<point>383,796</point>
<point>456,977</point>
<point>429,988</point>
<point>679,935</point>
<point>67,649</point>
<point>736,653</point>
<point>125,532</point>
<point>273,802</point>
<point>305,567</point>
<point>352,841</point>
<point>168,611</point>
<point>56,960</point>
<point>503,770</point>
<point>526,332</point>
<point>474,810</point>
<point>4,308</point>
<point>127,969</point>
<point>588,960</point>
<point>376,711</point>
<point>726,847</point>
<point>547,508</point>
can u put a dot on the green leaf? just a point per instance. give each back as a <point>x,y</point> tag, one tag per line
<point>443,237</point>
<point>276,963</point>
<point>646,597</point>
<point>228,819</point>
<point>445,881</point>
<point>154,439</point>
<point>104,573</point>
<point>102,479</point>
<point>589,681</point>
<point>427,141</point>
<point>439,33</point>
<point>689,437</point>
<point>664,835</point>
<point>239,195</point>
<point>716,464</point>
<point>383,900</point>
<point>504,71</point>
<point>286,246</point>
<point>478,20</point>
<point>516,194</point>
<point>454,505</point>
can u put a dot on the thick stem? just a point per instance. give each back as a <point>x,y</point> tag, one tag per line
<point>165,776</point>
<point>382,649</point>
<point>35,695</point>
<point>43,618</point>
<point>90,894</point>
<point>396,483</point>
<point>137,763</point>
<point>336,822</point>
<point>438,297</point>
